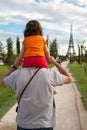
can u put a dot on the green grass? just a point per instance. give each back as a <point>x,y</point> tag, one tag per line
<point>51,65</point>
<point>7,95</point>
<point>81,80</point>
<point>3,69</point>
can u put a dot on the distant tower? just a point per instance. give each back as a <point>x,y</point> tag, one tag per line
<point>71,50</point>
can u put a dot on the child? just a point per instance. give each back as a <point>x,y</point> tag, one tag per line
<point>34,50</point>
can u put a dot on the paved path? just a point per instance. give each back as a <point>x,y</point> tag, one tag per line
<point>70,112</point>
<point>8,121</point>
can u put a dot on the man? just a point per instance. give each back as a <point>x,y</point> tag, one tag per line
<point>37,107</point>
<point>58,60</point>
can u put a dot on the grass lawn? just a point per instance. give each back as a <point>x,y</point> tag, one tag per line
<point>81,80</point>
<point>7,95</point>
<point>51,65</point>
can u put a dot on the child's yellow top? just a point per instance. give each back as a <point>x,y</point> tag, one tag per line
<point>34,45</point>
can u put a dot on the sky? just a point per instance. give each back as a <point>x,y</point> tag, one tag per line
<point>55,17</point>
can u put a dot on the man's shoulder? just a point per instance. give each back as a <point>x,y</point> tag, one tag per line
<point>32,70</point>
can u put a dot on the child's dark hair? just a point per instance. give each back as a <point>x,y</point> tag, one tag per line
<point>33,27</point>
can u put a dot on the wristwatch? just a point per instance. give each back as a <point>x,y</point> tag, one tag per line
<point>14,67</point>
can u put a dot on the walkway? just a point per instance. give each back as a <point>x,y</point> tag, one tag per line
<point>70,112</point>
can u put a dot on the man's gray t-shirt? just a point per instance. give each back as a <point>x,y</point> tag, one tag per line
<point>36,108</point>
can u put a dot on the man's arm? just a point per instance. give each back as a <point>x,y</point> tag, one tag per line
<point>16,63</point>
<point>61,70</point>
<point>5,75</point>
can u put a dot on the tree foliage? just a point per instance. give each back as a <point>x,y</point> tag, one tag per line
<point>2,52</point>
<point>10,56</point>
<point>18,45</point>
<point>54,48</point>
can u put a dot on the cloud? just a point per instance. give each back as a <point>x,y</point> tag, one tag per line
<point>5,35</point>
<point>82,2</point>
<point>54,16</point>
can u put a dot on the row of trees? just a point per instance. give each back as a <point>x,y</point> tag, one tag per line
<point>81,58</point>
<point>82,55</point>
<point>9,55</point>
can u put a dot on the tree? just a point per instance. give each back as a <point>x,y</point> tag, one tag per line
<point>85,61</point>
<point>2,53</point>
<point>10,56</point>
<point>79,54</point>
<point>54,48</point>
<point>18,45</point>
<point>0,50</point>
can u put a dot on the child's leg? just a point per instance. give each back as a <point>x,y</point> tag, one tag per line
<point>35,61</point>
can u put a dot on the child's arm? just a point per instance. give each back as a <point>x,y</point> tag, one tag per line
<point>21,55</point>
<point>46,51</point>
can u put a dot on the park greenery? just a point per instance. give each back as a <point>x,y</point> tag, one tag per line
<point>7,95</point>
<point>78,67</point>
<point>9,55</point>
<point>80,75</point>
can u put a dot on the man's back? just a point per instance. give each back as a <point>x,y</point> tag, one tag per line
<point>36,108</point>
